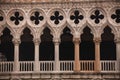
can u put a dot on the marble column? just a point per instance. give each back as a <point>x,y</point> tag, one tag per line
<point>97,54</point>
<point>118,54</point>
<point>16,54</point>
<point>36,63</point>
<point>57,63</point>
<point>77,59</point>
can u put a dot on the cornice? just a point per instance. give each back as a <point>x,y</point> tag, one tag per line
<point>64,5</point>
<point>53,1</point>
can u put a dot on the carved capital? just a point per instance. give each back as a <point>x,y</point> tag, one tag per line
<point>76,40</point>
<point>56,40</point>
<point>36,41</point>
<point>97,40</point>
<point>16,41</point>
<point>117,40</point>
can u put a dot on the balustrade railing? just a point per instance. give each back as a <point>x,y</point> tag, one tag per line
<point>26,66</point>
<point>66,65</point>
<point>87,65</point>
<point>108,66</point>
<point>6,66</point>
<point>46,65</point>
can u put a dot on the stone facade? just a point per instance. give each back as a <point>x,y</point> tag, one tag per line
<point>56,15</point>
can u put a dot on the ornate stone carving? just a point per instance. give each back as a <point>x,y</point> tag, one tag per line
<point>16,18</point>
<point>78,10</point>
<point>76,17</point>
<point>56,17</point>
<point>2,18</point>
<point>37,17</point>
<point>97,16</point>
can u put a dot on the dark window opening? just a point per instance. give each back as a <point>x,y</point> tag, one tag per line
<point>46,46</point>
<point>66,51</point>
<point>26,46</point>
<point>87,46</point>
<point>6,45</point>
<point>107,45</point>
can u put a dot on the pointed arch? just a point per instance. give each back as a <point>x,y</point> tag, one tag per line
<point>87,46</point>
<point>66,51</point>
<point>40,30</point>
<point>29,27</point>
<point>6,45</point>
<point>107,45</point>
<point>62,28</point>
<point>92,28</point>
<point>46,47</point>
<point>26,46</point>
<point>113,28</point>
<point>12,32</point>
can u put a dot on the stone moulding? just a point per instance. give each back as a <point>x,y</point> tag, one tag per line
<point>34,1</point>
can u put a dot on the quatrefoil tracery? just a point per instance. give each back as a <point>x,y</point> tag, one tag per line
<point>116,16</point>
<point>56,17</point>
<point>36,18</point>
<point>16,18</point>
<point>97,16</point>
<point>76,17</point>
<point>1,18</point>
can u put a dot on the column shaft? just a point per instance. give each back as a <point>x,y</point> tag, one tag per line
<point>57,63</point>
<point>36,64</point>
<point>97,55</point>
<point>77,59</point>
<point>16,55</point>
<point>118,55</point>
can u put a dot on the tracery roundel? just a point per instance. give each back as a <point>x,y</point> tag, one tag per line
<point>76,17</point>
<point>1,18</point>
<point>116,16</point>
<point>56,17</point>
<point>36,18</point>
<point>16,18</point>
<point>97,16</point>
